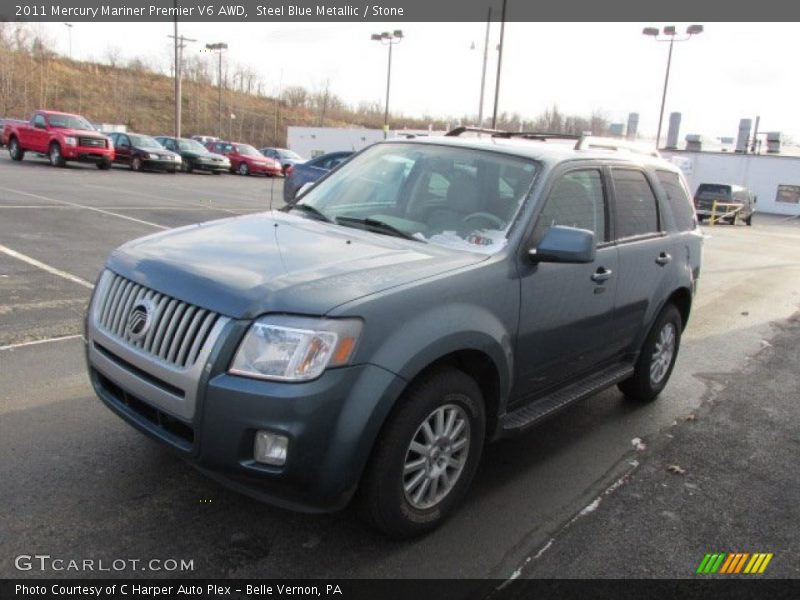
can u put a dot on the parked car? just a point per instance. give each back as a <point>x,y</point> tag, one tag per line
<point>195,156</point>
<point>310,171</point>
<point>427,297</point>
<point>205,139</point>
<point>143,152</point>
<point>286,157</point>
<point>61,137</point>
<point>709,193</point>
<point>245,159</point>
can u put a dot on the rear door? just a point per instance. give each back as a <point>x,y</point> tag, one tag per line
<point>646,260</point>
<point>567,310</point>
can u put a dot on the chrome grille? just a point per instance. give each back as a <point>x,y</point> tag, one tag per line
<point>178,330</point>
<point>91,142</point>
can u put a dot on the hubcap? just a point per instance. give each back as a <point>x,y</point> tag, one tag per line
<point>54,154</point>
<point>663,352</point>
<point>436,456</point>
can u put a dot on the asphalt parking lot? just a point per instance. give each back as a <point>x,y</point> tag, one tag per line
<point>79,483</point>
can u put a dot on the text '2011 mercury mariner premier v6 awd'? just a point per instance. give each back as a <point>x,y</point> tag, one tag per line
<point>429,296</point>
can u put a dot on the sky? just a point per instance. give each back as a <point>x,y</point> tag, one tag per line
<point>730,71</point>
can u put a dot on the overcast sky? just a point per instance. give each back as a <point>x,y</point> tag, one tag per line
<point>731,71</point>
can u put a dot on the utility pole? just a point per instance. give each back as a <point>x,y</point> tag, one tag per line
<point>180,44</point>
<point>219,48</point>
<point>483,71</point>
<point>69,27</point>
<point>499,64</point>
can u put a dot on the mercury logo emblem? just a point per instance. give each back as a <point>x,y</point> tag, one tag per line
<point>139,320</point>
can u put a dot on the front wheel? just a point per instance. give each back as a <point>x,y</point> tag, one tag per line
<point>136,164</point>
<point>244,169</point>
<point>426,455</point>
<point>657,357</point>
<point>56,158</point>
<point>15,151</point>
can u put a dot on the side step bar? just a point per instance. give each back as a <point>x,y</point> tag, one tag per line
<point>524,417</point>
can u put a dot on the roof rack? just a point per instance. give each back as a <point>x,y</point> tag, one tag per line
<point>583,141</point>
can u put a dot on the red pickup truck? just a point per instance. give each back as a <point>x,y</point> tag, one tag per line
<point>60,136</point>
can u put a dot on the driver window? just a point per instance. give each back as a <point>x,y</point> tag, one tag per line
<point>38,122</point>
<point>124,141</point>
<point>576,200</point>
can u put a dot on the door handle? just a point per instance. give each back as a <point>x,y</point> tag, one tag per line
<point>663,258</point>
<point>602,274</point>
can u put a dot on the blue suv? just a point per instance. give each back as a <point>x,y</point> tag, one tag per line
<point>426,298</point>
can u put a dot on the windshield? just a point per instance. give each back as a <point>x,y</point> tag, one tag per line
<point>289,154</point>
<point>454,197</point>
<point>246,150</point>
<point>69,122</point>
<point>192,146</point>
<point>144,141</point>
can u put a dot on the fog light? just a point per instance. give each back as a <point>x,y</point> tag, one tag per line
<point>270,448</point>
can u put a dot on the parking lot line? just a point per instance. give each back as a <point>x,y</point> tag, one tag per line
<point>76,205</point>
<point>37,342</point>
<point>48,268</point>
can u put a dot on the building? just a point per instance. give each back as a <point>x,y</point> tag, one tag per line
<point>309,142</point>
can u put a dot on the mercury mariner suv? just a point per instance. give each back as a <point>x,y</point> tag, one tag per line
<point>429,296</point>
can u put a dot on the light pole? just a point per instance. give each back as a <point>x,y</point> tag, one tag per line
<point>219,48</point>
<point>69,27</point>
<point>483,70</point>
<point>388,39</point>
<point>669,35</point>
<point>499,64</point>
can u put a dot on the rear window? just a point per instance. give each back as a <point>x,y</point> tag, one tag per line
<point>709,190</point>
<point>678,200</point>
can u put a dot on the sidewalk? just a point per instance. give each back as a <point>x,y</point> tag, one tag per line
<point>725,480</point>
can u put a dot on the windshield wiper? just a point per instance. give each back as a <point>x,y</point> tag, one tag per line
<point>309,210</point>
<point>377,226</point>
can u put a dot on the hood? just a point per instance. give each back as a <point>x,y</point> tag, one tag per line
<point>276,262</point>
<point>81,132</point>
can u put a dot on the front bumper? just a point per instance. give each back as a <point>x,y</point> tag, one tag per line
<point>86,154</point>
<point>331,422</point>
<point>215,166</point>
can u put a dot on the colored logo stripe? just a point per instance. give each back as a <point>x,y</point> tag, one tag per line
<point>734,563</point>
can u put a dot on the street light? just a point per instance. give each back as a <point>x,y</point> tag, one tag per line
<point>219,48</point>
<point>669,35</point>
<point>388,38</point>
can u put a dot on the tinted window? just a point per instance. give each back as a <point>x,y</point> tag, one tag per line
<point>637,211</point>
<point>576,200</point>
<point>38,121</point>
<point>711,190</point>
<point>678,200</point>
<point>122,140</point>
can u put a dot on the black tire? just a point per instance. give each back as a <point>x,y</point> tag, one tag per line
<point>644,385</point>
<point>217,172</point>
<point>136,164</point>
<point>171,171</point>
<point>243,169</point>
<point>749,220</point>
<point>104,165</point>
<point>56,158</point>
<point>15,150</point>
<point>385,503</point>
<point>187,166</point>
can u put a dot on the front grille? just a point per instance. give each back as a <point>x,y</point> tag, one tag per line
<point>91,142</point>
<point>177,330</point>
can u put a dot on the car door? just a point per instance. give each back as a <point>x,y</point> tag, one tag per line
<point>39,136</point>
<point>123,149</point>
<point>567,310</point>
<point>645,255</point>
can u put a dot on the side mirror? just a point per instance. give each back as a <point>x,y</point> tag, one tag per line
<point>565,245</point>
<point>303,189</point>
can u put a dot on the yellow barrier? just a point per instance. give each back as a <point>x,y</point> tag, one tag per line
<point>734,206</point>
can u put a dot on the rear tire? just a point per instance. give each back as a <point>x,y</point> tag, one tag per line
<point>426,455</point>
<point>15,151</point>
<point>657,357</point>
<point>104,165</point>
<point>749,220</point>
<point>56,158</point>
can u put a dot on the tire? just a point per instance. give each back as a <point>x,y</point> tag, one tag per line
<point>405,505</point>
<point>216,172</point>
<point>104,165</point>
<point>136,164</point>
<point>243,169</point>
<point>15,150</point>
<point>56,158</point>
<point>749,220</point>
<point>655,363</point>
<point>171,171</point>
<point>188,167</point>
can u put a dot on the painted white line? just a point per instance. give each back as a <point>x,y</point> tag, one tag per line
<point>92,208</point>
<point>161,198</point>
<point>37,342</point>
<point>44,267</point>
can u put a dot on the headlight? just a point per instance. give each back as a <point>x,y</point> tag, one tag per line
<point>284,348</point>
<point>152,156</point>
<point>71,141</point>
